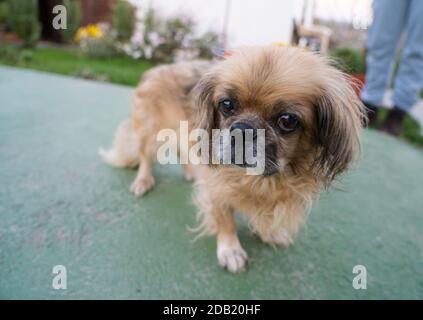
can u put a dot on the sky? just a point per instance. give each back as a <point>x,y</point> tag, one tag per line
<point>259,21</point>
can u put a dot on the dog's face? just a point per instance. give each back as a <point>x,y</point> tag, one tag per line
<point>310,115</point>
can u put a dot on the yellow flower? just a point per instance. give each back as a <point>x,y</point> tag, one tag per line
<point>81,34</point>
<point>94,31</point>
<point>91,31</point>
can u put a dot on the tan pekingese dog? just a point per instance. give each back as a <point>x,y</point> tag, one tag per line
<point>312,120</point>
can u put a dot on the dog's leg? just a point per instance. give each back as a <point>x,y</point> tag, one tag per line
<point>144,180</point>
<point>277,237</point>
<point>230,253</point>
<point>218,218</point>
<point>279,228</point>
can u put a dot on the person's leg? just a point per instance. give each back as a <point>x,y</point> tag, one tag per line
<point>389,17</point>
<point>409,80</point>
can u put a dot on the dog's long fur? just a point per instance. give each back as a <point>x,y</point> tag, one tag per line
<point>263,81</point>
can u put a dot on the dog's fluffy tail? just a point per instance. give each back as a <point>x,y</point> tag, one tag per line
<point>124,152</point>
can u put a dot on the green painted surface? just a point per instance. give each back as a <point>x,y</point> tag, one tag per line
<point>60,205</point>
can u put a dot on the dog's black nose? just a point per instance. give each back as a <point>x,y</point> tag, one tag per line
<point>242,126</point>
<point>247,137</point>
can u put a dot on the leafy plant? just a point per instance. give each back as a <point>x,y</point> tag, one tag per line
<point>349,60</point>
<point>163,39</point>
<point>174,36</point>
<point>153,23</point>
<point>24,20</point>
<point>74,18</point>
<point>11,54</point>
<point>3,12</point>
<point>123,20</point>
<point>205,43</point>
<point>104,47</point>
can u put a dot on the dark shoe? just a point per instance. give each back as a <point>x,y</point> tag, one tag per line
<point>372,112</point>
<point>393,123</point>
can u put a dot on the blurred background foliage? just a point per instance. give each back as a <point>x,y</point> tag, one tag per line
<point>74,20</point>
<point>166,39</point>
<point>123,20</point>
<point>3,12</point>
<point>133,40</point>
<point>22,17</point>
<point>349,60</point>
<point>152,36</point>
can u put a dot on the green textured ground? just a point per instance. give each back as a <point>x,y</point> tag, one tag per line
<point>60,205</point>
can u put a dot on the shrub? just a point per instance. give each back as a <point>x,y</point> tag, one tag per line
<point>10,54</point>
<point>349,60</point>
<point>3,12</point>
<point>174,36</point>
<point>24,20</point>
<point>153,24</point>
<point>163,39</point>
<point>103,47</point>
<point>74,18</point>
<point>123,20</point>
<point>206,43</point>
<point>96,41</point>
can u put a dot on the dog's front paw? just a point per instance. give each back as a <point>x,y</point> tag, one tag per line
<point>279,237</point>
<point>232,257</point>
<point>141,185</point>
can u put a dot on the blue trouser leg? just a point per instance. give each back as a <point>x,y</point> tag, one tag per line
<point>388,23</point>
<point>409,80</point>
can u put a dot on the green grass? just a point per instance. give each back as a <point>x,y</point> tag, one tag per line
<point>120,69</point>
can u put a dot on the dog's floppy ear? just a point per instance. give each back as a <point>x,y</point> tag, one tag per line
<point>203,102</point>
<point>340,117</point>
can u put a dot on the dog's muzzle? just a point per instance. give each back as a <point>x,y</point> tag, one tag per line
<point>243,144</point>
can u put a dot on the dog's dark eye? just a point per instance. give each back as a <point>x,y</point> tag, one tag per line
<point>226,106</point>
<point>288,122</point>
